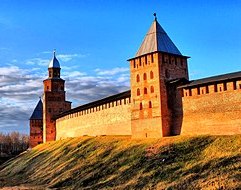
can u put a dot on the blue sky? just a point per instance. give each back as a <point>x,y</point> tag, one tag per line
<point>94,39</point>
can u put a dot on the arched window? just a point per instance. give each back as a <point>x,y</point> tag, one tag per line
<point>151,75</point>
<point>138,92</point>
<point>138,78</point>
<point>141,107</point>
<point>144,76</point>
<point>152,89</point>
<point>145,90</point>
<point>150,104</point>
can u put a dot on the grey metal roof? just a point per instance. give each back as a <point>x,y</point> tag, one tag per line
<point>54,63</point>
<point>157,39</point>
<point>214,79</point>
<point>38,111</point>
<point>112,98</point>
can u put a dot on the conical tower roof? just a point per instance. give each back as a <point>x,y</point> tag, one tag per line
<point>157,39</point>
<point>38,111</point>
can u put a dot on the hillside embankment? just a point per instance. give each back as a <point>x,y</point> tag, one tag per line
<point>199,162</point>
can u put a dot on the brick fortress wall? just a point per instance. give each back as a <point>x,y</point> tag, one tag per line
<point>111,118</point>
<point>162,100</point>
<point>212,109</point>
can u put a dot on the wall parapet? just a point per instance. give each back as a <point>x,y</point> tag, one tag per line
<point>106,103</point>
<point>217,84</point>
<point>109,117</point>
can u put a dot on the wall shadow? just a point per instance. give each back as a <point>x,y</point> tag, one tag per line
<point>175,106</point>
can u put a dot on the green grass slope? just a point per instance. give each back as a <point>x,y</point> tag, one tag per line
<point>200,162</point>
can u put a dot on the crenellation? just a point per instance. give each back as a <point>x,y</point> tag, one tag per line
<point>220,87</point>
<point>238,84</point>
<point>205,89</point>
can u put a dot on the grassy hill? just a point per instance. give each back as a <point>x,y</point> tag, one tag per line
<point>200,162</point>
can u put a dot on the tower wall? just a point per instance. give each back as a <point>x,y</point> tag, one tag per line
<point>36,132</point>
<point>153,102</point>
<point>145,94</point>
<point>36,125</point>
<point>174,69</point>
<point>53,105</point>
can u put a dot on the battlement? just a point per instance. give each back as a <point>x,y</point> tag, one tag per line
<point>217,84</point>
<point>108,116</point>
<point>102,104</point>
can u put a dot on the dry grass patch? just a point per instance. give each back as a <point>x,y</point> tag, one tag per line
<point>195,162</point>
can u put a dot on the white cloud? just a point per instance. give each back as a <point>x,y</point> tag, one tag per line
<point>113,71</point>
<point>4,49</point>
<point>61,57</point>
<point>11,70</point>
<point>73,74</point>
<point>38,61</point>
<point>87,88</point>
<point>69,57</point>
<point>20,89</point>
<point>47,52</point>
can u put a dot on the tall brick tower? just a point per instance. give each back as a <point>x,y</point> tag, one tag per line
<point>155,69</point>
<point>53,100</point>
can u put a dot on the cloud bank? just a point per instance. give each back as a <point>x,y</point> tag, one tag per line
<point>21,87</point>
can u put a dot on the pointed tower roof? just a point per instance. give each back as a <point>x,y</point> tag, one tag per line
<point>157,39</point>
<point>38,111</point>
<point>54,63</point>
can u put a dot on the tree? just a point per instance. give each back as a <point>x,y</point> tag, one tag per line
<point>13,143</point>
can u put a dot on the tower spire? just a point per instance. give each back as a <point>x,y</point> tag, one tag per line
<point>155,16</point>
<point>157,39</point>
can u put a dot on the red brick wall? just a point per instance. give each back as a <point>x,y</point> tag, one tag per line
<point>36,132</point>
<point>113,118</point>
<point>212,109</point>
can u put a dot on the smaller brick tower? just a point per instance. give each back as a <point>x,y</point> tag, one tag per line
<point>157,65</point>
<point>36,126</point>
<point>53,100</point>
